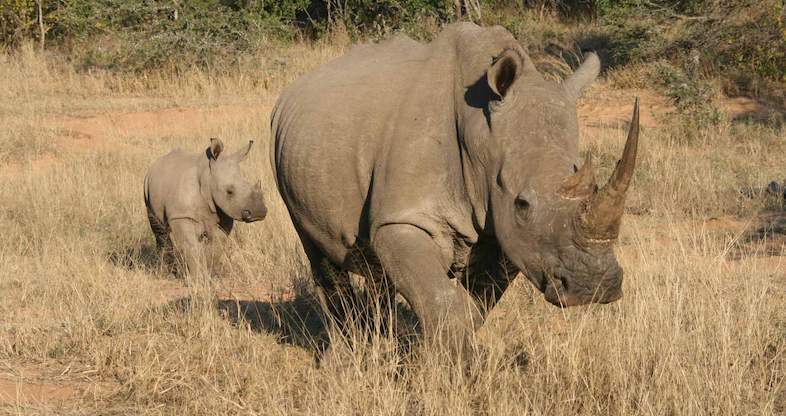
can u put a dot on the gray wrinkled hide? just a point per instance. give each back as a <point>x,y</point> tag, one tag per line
<point>409,157</point>
<point>192,199</point>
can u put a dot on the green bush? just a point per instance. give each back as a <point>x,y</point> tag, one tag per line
<point>363,18</point>
<point>141,35</point>
<point>694,97</point>
<point>17,20</point>
<point>138,35</point>
<point>742,41</point>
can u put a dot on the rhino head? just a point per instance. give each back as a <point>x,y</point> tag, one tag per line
<point>547,214</point>
<point>225,187</point>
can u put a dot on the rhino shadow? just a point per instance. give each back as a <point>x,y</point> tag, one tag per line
<point>298,321</point>
<point>301,322</point>
<point>145,256</point>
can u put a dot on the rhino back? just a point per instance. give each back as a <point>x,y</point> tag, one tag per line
<point>338,111</point>
<point>172,186</point>
<point>371,139</point>
<point>330,127</point>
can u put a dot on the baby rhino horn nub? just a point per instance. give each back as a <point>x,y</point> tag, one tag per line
<point>600,221</point>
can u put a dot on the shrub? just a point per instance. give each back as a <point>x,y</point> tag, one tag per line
<point>742,41</point>
<point>140,35</point>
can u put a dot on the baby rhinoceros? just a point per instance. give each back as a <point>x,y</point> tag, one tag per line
<point>192,196</point>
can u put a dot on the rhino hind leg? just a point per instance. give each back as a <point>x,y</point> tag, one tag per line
<point>164,246</point>
<point>334,289</point>
<point>378,298</point>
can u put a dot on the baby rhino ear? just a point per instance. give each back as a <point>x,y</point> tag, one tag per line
<point>215,149</point>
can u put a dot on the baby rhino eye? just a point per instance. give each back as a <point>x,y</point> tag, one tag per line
<point>230,191</point>
<point>522,204</point>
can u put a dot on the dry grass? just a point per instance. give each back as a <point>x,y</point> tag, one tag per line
<point>699,331</point>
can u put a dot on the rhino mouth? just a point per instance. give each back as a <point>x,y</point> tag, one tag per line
<point>559,292</point>
<point>247,216</point>
<point>555,292</point>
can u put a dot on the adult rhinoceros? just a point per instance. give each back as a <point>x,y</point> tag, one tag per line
<point>448,160</point>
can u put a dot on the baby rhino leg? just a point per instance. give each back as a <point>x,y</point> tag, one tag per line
<point>164,246</point>
<point>189,238</point>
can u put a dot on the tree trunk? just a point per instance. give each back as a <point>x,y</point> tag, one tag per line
<point>476,6</point>
<point>329,16</point>
<point>41,30</point>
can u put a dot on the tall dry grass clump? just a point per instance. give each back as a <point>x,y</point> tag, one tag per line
<point>84,301</point>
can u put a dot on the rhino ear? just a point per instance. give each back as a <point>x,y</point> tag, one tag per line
<point>504,72</point>
<point>215,149</point>
<point>242,154</point>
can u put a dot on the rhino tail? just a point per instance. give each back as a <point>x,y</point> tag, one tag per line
<point>275,127</point>
<point>159,229</point>
<point>147,192</point>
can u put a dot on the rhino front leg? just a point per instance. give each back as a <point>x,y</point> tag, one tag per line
<point>189,238</point>
<point>447,313</point>
<point>488,275</point>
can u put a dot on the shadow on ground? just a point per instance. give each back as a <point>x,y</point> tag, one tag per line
<point>296,321</point>
<point>767,237</point>
<point>757,111</point>
<point>144,256</point>
<point>770,231</point>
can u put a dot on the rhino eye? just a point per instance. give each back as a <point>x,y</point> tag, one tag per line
<point>522,209</point>
<point>230,191</point>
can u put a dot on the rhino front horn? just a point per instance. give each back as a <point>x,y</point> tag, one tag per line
<point>602,216</point>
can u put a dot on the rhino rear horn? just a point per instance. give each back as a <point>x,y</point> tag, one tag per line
<point>581,184</point>
<point>603,213</point>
